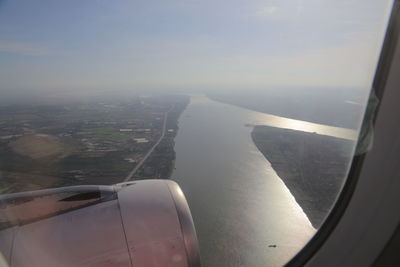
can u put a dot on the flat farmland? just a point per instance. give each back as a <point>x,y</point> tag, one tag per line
<point>40,146</point>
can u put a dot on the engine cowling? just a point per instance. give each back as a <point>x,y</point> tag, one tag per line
<point>141,223</point>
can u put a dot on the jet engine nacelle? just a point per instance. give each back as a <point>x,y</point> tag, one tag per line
<point>142,223</point>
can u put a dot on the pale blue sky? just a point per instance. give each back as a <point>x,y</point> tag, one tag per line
<point>61,45</point>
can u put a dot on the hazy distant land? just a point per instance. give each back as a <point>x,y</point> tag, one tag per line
<point>339,107</point>
<point>312,166</point>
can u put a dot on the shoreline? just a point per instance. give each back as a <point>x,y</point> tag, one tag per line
<point>313,167</point>
<point>168,141</point>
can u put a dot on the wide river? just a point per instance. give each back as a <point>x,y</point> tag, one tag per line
<point>243,212</point>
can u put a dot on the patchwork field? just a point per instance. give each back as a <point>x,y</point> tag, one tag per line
<point>40,146</point>
<point>43,146</point>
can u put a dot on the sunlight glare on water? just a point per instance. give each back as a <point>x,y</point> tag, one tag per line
<point>305,126</point>
<point>243,212</point>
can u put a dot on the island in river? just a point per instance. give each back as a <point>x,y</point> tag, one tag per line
<point>312,166</point>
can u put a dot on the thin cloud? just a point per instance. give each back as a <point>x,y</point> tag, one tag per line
<point>266,11</point>
<point>281,11</point>
<point>25,49</point>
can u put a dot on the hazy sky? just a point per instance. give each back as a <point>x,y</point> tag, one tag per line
<point>86,44</point>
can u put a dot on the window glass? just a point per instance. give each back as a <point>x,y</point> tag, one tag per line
<point>253,107</point>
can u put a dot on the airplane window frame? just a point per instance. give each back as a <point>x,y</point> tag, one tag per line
<point>345,198</point>
<point>385,72</point>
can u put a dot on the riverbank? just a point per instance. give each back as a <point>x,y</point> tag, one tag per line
<point>159,163</point>
<point>312,166</point>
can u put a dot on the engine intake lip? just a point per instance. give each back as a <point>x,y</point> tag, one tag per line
<point>187,224</point>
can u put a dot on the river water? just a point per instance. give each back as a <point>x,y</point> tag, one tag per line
<point>243,212</point>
